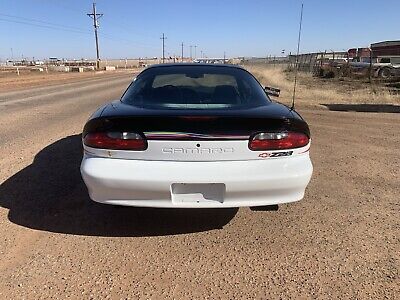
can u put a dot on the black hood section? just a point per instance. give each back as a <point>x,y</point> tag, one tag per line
<point>272,116</point>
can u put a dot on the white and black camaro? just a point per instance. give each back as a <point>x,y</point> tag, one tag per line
<point>196,136</point>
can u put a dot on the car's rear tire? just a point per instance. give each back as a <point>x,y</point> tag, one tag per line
<point>384,73</point>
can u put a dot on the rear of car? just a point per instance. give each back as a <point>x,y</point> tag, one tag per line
<point>196,136</point>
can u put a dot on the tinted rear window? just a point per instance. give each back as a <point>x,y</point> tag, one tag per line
<point>195,87</point>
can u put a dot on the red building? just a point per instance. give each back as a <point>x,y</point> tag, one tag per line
<point>358,52</point>
<point>386,49</point>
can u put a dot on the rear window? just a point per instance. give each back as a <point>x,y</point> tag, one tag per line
<point>385,60</point>
<point>195,87</point>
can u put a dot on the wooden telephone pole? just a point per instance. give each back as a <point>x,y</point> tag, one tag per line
<point>163,38</point>
<point>95,16</point>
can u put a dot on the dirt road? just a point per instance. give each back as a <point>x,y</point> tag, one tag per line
<point>11,82</point>
<point>341,241</point>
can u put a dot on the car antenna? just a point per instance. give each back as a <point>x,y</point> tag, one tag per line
<point>297,58</point>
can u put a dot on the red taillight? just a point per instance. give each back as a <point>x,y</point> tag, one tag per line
<point>278,141</point>
<point>115,141</point>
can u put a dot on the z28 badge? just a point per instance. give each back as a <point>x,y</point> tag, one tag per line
<point>276,154</point>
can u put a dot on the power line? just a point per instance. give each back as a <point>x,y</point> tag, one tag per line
<point>43,26</point>
<point>129,30</point>
<point>42,22</point>
<point>112,23</point>
<point>77,31</point>
<point>106,36</point>
<point>65,28</point>
<point>95,16</point>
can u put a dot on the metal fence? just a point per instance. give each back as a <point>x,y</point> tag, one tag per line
<point>330,64</point>
<point>307,62</point>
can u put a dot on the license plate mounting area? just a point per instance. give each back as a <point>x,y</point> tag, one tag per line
<point>197,192</point>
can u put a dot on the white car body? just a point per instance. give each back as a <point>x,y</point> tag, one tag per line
<point>217,174</point>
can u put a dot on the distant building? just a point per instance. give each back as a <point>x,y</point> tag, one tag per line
<point>386,49</point>
<point>359,54</point>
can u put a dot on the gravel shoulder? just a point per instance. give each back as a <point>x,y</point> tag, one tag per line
<point>341,241</point>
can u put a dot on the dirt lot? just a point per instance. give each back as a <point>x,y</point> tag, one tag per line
<point>340,242</point>
<point>337,94</point>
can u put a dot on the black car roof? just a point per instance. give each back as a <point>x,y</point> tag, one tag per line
<point>194,65</point>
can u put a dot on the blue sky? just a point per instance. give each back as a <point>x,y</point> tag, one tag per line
<point>239,27</point>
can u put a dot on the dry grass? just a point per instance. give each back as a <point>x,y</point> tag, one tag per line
<point>315,91</point>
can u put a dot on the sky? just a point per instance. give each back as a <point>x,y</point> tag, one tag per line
<point>131,29</point>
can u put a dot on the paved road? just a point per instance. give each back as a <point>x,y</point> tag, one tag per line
<point>341,241</point>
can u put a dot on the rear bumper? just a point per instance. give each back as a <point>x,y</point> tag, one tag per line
<point>148,183</point>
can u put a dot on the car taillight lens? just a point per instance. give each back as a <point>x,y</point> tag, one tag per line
<point>115,141</point>
<point>278,141</point>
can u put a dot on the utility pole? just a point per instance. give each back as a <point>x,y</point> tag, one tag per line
<point>201,53</point>
<point>224,56</point>
<point>182,51</point>
<point>191,52</point>
<point>163,38</point>
<point>195,51</point>
<point>95,16</point>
